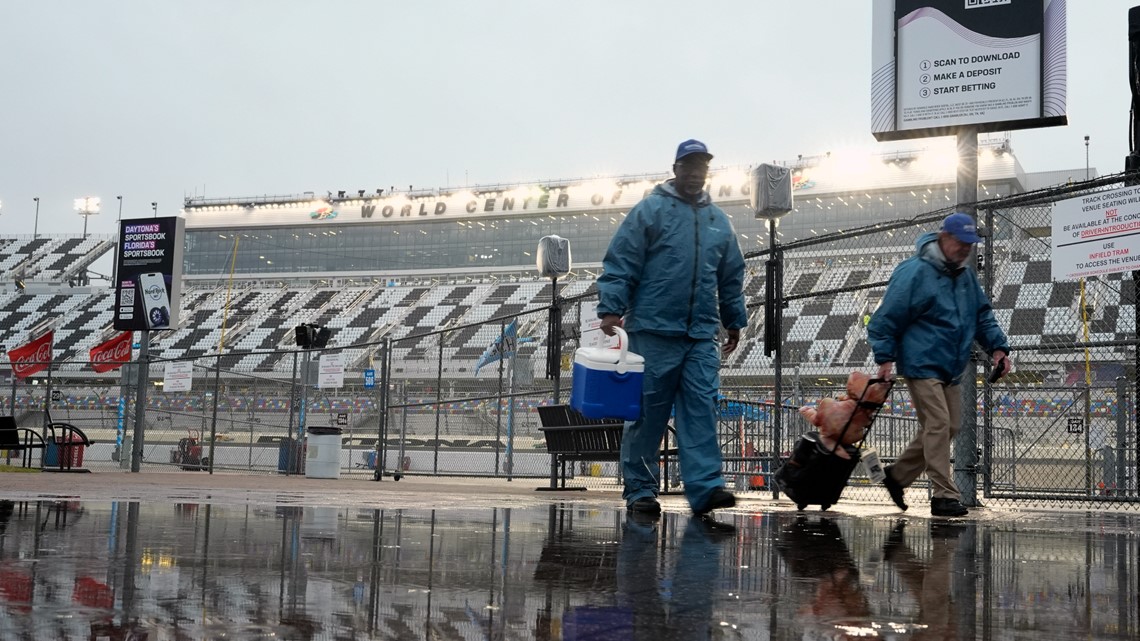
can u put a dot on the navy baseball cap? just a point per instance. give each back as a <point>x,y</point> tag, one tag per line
<point>962,227</point>
<point>690,147</point>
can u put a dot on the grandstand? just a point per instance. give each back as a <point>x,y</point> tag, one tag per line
<point>397,264</point>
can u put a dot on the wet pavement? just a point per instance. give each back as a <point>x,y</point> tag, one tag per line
<point>157,557</point>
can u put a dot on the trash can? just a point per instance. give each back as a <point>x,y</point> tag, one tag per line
<point>289,458</point>
<point>322,460</point>
<point>73,449</point>
<point>51,453</point>
<point>64,454</point>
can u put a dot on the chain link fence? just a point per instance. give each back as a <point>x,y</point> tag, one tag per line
<point>1061,430</point>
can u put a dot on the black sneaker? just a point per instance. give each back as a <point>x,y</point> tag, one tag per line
<point>645,505</point>
<point>947,507</point>
<point>894,489</point>
<point>719,498</point>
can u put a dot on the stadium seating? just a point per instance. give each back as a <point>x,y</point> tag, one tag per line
<point>822,331</point>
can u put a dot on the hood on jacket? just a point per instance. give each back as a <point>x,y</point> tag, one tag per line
<point>667,189</point>
<point>927,248</point>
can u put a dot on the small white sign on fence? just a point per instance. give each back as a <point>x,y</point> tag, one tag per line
<point>1096,234</point>
<point>178,376</point>
<point>331,374</point>
<point>591,335</point>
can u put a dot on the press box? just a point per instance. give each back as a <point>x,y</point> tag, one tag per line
<point>607,382</point>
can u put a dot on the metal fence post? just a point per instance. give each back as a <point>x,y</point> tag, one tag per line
<point>140,400</point>
<point>438,405</point>
<point>987,409</point>
<point>382,409</point>
<point>214,417</point>
<point>288,462</point>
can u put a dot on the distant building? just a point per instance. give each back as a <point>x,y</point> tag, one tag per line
<point>495,228</point>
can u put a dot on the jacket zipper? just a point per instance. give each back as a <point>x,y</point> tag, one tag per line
<point>696,263</point>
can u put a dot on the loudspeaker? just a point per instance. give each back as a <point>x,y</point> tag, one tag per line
<point>771,195</point>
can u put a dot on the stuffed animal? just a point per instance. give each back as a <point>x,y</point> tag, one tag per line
<point>857,389</point>
<point>831,415</point>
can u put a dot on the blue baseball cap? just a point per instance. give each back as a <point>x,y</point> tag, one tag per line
<point>962,227</point>
<point>690,147</point>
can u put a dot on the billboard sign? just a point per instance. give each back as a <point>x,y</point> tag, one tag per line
<point>149,273</point>
<point>940,64</point>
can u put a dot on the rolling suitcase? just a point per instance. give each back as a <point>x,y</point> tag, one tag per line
<point>814,474</point>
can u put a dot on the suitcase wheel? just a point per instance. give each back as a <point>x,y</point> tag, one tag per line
<point>824,506</point>
<point>801,506</point>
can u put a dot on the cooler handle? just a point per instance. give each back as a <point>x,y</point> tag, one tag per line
<point>623,344</point>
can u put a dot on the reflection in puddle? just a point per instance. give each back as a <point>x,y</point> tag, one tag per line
<point>73,570</point>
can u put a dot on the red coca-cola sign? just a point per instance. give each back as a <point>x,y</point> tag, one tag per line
<point>33,357</point>
<point>112,354</point>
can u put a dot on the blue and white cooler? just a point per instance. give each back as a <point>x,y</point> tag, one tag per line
<point>607,382</point>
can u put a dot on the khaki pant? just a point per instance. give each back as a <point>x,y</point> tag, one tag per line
<point>939,408</point>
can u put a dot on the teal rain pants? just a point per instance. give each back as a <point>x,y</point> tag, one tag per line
<point>682,375</point>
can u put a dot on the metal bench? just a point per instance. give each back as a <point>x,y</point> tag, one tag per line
<point>21,439</point>
<point>573,437</point>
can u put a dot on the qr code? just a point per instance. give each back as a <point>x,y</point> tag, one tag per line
<point>127,298</point>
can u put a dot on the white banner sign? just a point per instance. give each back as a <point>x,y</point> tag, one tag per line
<point>178,376</point>
<point>331,374</point>
<point>1096,234</point>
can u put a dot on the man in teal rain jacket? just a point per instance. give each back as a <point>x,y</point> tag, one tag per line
<point>933,311</point>
<point>675,272</point>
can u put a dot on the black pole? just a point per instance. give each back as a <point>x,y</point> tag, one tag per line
<point>47,397</point>
<point>1132,164</point>
<point>966,444</point>
<point>773,334</point>
<point>382,410</point>
<point>118,237</point>
<point>293,404</point>
<point>554,341</point>
<point>141,382</point>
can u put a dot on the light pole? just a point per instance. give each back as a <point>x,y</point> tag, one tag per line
<point>154,206</point>
<point>86,207</point>
<point>118,228</point>
<point>1086,157</point>
<point>36,229</point>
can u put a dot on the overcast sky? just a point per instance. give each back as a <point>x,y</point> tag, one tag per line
<point>155,101</point>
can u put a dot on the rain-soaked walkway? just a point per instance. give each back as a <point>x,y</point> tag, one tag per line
<point>169,556</point>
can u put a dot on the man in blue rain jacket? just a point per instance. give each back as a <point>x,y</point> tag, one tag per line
<point>933,311</point>
<point>675,272</point>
